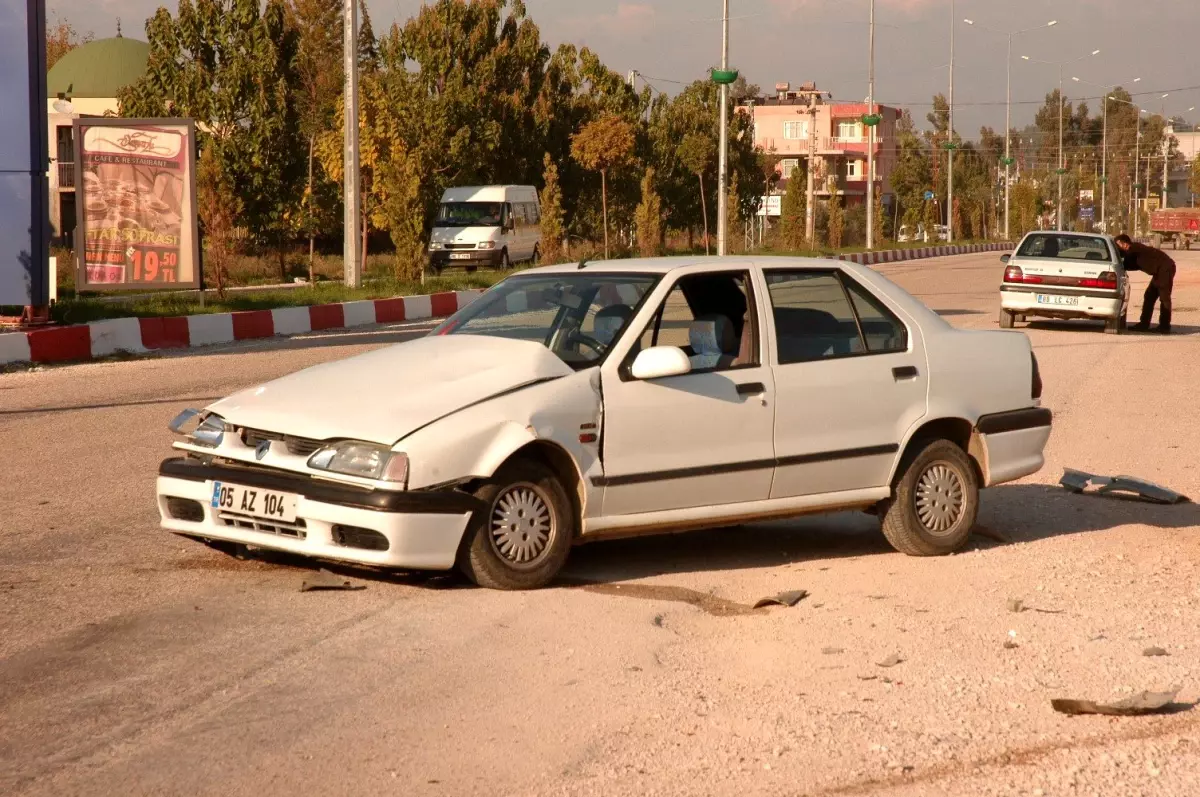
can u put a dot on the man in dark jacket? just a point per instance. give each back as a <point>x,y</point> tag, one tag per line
<point>1161,268</point>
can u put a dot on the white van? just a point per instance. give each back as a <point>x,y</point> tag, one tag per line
<point>492,225</point>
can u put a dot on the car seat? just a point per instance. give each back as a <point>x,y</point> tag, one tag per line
<point>608,322</point>
<point>713,342</point>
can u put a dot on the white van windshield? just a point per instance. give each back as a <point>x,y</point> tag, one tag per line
<point>470,214</point>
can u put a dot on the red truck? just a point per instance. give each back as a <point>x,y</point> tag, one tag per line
<point>1180,226</point>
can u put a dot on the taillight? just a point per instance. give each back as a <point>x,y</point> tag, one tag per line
<point>1013,274</point>
<point>1106,281</point>
<point>1036,388</point>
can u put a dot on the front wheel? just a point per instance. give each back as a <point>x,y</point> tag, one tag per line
<point>505,263</point>
<point>1007,319</point>
<point>935,502</point>
<point>522,538</point>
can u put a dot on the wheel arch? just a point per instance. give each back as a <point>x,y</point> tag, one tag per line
<point>959,431</point>
<point>560,462</point>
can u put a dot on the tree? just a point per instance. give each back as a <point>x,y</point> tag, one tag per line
<point>930,219</point>
<point>649,218</point>
<point>368,46</point>
<point>318,67</point>
<point>553,232</point>
<point>696,153</point>
<point>601,146</point>
<point>229,66</point>
<point>217,207</point>
<point>912,175</point>
<point>741,89</point>
<point>1194,179</point>
<point>837,217</point>
<point>792,211</point>
<point>62,38</point>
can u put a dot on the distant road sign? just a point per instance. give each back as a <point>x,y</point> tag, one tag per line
<point>1088,213</point>
<point>928,195</point>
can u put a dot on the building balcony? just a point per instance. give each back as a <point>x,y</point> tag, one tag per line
<point>66,175</point>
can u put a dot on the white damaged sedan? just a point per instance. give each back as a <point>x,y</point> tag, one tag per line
<point>574,403</point>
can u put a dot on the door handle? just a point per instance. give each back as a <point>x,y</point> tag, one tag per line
<point>751,389</point>
<point>905,372</point>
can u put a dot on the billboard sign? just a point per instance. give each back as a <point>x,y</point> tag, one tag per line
<point>1087,195</point>
<point>770,205</point>
<point>137,226</point>
<point>1087,213</point>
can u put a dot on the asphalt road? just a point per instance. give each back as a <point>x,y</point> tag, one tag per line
<point>136,662</point>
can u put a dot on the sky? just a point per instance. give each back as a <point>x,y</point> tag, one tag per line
<point>673,42</point>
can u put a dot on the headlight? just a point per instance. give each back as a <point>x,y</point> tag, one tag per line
<point>365,460</point>
<point>487,244</point>
<point>434,246</point>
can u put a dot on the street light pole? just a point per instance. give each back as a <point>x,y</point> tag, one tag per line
<point>1061,167</point>
<point>871,137</point>
<point>1008,112</point>
<point>723,168</point>
<point>351,249</point>
<point>950,141</point>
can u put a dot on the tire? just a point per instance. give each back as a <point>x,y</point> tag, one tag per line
<point>505,263</point>
<point>537,256</point>
<point>934,503</point>
<point>1007,319</point>
<point>491,556</point>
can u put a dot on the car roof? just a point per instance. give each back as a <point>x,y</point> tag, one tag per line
<point>1067,233</point>
<point>666,265</point>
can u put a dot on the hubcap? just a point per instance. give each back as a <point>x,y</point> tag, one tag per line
<point>523,525</point>
<point>939,498</point>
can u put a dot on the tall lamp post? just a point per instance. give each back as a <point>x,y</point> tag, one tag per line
<point>870,120</point>
<point>950,145</point>
<point>1008,161</point>
<point>723,167</point>
<point>1062,167</point>
<point>1104,146</point>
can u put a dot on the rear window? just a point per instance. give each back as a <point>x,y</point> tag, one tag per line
<point>1065,247</point>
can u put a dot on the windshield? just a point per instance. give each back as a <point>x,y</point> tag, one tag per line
<point>1065,247</point>
<point>577,316</point>
<point>470,214</point>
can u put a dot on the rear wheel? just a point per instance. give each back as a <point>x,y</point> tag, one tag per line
<point>1006,319</point>
<point>1115,326</point>
<point>522,538</point>
<point>935,501</point>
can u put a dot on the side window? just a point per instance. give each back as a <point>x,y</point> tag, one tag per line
<point>813,317</point>
<point>535,213</point>
<point>883,331</point>
<point>712,318</point>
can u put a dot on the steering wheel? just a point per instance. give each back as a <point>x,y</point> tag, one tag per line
<point>587,340</point>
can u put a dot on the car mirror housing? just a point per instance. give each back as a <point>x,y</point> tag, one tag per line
<point>660,362</point>
<point>1005,258</point>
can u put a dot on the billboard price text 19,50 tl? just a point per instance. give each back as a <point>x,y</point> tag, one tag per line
<point>137,194</point>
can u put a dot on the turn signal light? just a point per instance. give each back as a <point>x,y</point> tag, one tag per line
<point>1014,274</point>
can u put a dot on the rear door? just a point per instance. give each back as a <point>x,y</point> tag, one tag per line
<point>850,380</point>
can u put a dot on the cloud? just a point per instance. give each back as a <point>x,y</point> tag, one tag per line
<point>629,16</point>
<point>792,6</point>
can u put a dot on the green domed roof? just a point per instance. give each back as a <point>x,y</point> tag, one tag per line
<point>99,68</point>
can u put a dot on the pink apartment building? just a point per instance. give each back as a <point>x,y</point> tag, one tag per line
<point>795,125</point>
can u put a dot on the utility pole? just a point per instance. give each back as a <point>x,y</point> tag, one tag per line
<point>810,216</point>
<point>1137,163</point>
<point>1058,216</point>
<point>871,138</point>
<point>1104,167</point>
<point>723,167</point>
<point>351,248</point>
<point>1007,137</point>
<point>950,141</point>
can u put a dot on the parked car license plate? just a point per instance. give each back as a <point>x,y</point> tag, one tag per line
<point>1070,301</point>
<point>460,256</point>
<point>255,502</point>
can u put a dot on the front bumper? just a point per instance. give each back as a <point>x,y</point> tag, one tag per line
<point>476,257</point>
<point>1023,300</point>
<point>420,530</point>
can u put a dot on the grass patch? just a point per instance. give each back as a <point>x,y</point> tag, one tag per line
<point>85,309</point>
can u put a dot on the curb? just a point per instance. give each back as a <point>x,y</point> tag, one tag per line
<point>140,335</point>
<point>899,255</point>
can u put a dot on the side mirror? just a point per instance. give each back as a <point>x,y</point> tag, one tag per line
<point>1005,258</point>
<point>660,362</point>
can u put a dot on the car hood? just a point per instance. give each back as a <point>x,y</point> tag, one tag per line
<point>385,395</point>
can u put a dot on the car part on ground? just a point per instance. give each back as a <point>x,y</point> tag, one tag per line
<point>1137,705</point>
<point>1078,482</point>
